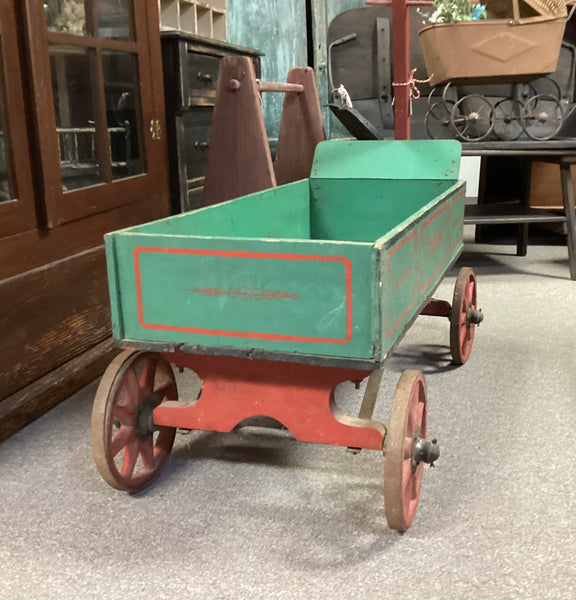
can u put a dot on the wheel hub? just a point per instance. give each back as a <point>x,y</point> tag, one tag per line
<point>474,316</point>
<point>144,424</point>
<point>424,451</point>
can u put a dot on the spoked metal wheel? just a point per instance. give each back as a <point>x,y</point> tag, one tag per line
<point>508,119</point>
<point>542,117</point>
<point>406,450</point>
<point>464,316</point>
<point>129,450</point>
<point>472,118</point>
<point>438,120</point>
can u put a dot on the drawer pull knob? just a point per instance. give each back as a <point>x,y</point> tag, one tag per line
<point>204,76</point>
<point>201,145</point>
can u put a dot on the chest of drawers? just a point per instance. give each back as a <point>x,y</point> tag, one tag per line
<point>191,65</point>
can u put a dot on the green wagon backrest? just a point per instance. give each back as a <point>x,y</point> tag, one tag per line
<point>387,159</point>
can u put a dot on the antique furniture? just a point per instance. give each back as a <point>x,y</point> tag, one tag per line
<point>82,152</point>
<point>191,66</point>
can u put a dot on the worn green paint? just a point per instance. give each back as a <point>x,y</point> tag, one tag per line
<point>388,159</point>
<point>280,212</point>
<point>335,267</point>
<point>278,29</point>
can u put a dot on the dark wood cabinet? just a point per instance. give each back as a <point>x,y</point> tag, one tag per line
<point>82,152</point>
<point>190,78</point>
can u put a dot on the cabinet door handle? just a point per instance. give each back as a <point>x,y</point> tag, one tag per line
<point>201,145</point>
<point>204,76</point>
<point>155,130</point>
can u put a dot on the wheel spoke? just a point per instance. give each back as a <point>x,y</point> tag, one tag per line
<point>162,392</point>
<point>147,452</point>
<point>407,447</point>
<point>463,334</point>
<point>124,436</point>
<point>469,293</point>
<point>406,475</point>
<point>132,388</point>
<point>130,458</point>
<point>420,414</point>
<point>125,414</point>
<point>413,415</point>
<point>149,373</point>
<point>413,487</point>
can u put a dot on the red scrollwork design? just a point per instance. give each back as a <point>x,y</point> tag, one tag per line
<point>245,293</point>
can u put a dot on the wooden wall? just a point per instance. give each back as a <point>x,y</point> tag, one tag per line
<point>279,29</point>
<point>55,315</point>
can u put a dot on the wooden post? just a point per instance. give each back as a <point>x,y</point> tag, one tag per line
<point>239,158</point>
<point>301,128</point>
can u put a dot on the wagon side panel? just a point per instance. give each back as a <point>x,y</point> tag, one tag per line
<point>272,295</point>
<point>414,260</point>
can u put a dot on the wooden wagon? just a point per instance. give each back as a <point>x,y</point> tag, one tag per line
<point>275,298</point>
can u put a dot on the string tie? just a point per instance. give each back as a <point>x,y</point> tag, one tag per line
<point>414,91</point>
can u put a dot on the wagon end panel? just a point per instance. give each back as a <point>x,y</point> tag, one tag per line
<point>387,159</point>
<point>304,297</point>
<point>414,260</point>
<point>113,286</point>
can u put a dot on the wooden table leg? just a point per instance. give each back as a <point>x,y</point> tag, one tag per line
<point>522,241</point>
<point>568,201</point>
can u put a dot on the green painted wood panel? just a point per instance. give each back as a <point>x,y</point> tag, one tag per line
<point>389,159</point>
<point>281,212</point>
<point>345,209</point>
<point>288,296</point>
<point>278,29</point>
<point>414,261</point>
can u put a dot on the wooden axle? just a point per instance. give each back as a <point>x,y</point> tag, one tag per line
<point>270,86</point>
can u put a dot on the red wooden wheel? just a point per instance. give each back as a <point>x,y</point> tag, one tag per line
<point>403,446</point>
<point>464,316</point>
<point>128,449</point>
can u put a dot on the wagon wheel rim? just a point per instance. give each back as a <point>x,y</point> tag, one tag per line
<point>472,125</point>
<point>402,474</point>
<point>438,120</point>
<point>129,451</point>
<point>508,119</point>
<point>462,328</point>
<point>542,117</point>
<point>545,86</point>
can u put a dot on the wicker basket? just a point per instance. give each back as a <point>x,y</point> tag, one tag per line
<point>493,50</point>
<point>526,8</point>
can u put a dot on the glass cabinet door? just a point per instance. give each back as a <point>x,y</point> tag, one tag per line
<point>99,131</point>
<point>17,211</point>
<point>7,191</point>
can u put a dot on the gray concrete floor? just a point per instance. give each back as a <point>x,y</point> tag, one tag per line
<point>242,517</point>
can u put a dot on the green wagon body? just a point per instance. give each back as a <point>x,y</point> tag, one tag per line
<point>329,268</point>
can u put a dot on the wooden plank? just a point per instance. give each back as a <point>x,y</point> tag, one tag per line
<point>305,296</point>
<point>280,212</point>
<point>301,129</point>
<point>387,159</point>
<point>33,249</point>
<point>415,260</point>
<point>50,315</point>
<point>239,159</point>
<point>33,401</point>
<point>363,211</point>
